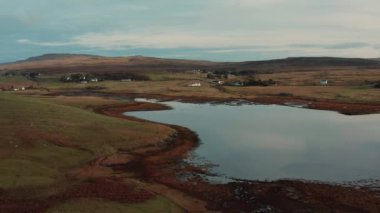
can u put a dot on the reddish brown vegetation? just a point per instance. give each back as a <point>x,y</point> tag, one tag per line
<point>348,108</point>
<point>109,189</point>
<point>344,108</point>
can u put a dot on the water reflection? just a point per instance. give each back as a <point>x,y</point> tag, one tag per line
<point>274,142</point>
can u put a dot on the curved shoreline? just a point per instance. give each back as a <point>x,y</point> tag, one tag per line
<point>346,108</point>
<point>161,166</point>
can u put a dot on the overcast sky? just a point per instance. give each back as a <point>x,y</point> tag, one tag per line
<point>220,30</point>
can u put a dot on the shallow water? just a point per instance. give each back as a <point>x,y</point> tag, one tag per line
<point>260,142</point>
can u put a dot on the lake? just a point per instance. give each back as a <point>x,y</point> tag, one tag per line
<point>270,142</point>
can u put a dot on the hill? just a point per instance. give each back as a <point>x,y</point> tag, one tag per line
<point>58,63</point>
<point>61,63</point>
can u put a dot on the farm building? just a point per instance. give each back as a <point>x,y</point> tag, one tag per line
<point>195,84</point>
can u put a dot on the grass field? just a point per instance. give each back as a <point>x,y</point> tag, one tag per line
<point>344,85</point>
<point>43,140</point>
<point>350,78</point>
<point>48,141</point>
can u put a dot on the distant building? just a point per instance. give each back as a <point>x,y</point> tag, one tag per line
<point>94,80</point>
<point>218,82</point>
<point>237,83</point>
<point>9,74</point>
<point>34,74</point>
<point>195,84</point>
<point>324,82</point>
<point>83,82</point>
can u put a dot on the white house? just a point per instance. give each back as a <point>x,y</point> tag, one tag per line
<point>195,84</point>
<point>324,82</point>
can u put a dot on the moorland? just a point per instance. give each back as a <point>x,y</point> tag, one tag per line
<point>66,146</point>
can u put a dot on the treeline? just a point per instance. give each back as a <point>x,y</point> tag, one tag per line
<point>252,81</point>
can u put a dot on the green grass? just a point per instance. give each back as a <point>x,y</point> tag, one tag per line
<point>21,173</point>
<point>14,79</point>
<point>159,205</point>
<point>42,164</point>
<point>31,128</point>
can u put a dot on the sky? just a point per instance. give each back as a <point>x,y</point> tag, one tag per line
<point>217,30</point>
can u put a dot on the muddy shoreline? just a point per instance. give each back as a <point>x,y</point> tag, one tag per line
<point>346,108</point>
<point>163,166</point>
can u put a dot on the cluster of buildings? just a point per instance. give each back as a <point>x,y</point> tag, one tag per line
<point>14,88</point>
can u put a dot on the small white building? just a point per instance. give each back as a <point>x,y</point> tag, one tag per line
<point>195,84</point>
<point>237,83</point>
<point>94,79</point>
<point>324,82</point>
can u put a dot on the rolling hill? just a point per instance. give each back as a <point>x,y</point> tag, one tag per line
<point>63,63</point>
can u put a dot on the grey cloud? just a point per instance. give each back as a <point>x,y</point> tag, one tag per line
<point>348,45</point>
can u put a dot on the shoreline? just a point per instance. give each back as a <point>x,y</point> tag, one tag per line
<point>346,108</point>
<point>161,166</point>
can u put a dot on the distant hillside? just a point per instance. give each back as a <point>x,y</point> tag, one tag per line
<point>60,63</point>
<point>303,64</point>
<point>54,56</point>
<point>57,63</point>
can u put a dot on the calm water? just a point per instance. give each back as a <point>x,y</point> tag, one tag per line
<point>275,142</point>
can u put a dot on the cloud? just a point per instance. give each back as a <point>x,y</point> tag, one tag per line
<point>117,40</point>
<point>348,45</point>
<point>251,4</point>
<point>237,28</point>
<point>208,45</point>
<point>271,52</point>
<point>218,43</point>
<point>352,45</point>
<point>48,44</point>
